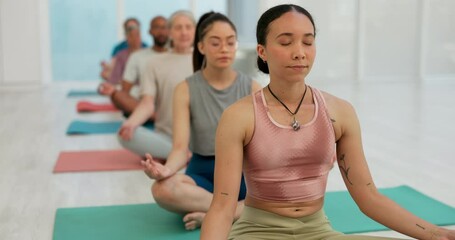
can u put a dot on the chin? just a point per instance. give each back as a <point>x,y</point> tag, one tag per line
<point>222,66</point>
<point>295,77</point>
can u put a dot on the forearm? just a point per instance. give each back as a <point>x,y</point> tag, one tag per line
<point>217,224</point>
<point>358,179</point>
<point>142,113</point>
<point>177,159</point>
<point>123,101</point>
<point>390,214</point>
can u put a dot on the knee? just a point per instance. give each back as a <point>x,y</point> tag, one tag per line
<point>127,143</point>
<point>134,145</point>
<point>162,191</point>
<point>121,141</point>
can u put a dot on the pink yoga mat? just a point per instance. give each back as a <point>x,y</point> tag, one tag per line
<point>86,106</point>
<point>105,160</point>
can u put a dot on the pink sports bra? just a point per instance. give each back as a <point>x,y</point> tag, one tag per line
<point>286,165</point>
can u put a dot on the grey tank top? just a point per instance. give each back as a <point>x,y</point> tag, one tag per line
<point>206,106</point>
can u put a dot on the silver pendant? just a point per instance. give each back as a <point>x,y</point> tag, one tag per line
<point>295,125</point>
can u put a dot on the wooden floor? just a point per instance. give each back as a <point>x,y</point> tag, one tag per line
<point>408,133</point>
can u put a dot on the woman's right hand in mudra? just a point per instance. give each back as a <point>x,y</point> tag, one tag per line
<point>154,169</point>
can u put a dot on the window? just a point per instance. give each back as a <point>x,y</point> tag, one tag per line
<point>83,33</point>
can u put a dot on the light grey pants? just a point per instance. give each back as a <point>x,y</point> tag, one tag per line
<point>255,224</point>
<point>144,140</point>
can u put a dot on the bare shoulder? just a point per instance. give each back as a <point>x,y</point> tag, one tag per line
<point>182,87</point>
<point>239,119</point>
<point>337,107</point>
<point>240,109</point>
<point>342,114</point>
<point>182,94</point>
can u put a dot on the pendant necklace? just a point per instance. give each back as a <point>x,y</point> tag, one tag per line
<point>295,124</point>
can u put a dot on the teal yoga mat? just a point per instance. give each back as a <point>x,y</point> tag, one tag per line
<point>82,93</point>
<point>135,222</point>
<point>149,221</point>
<point>86,127</point>
<point>345,216</point>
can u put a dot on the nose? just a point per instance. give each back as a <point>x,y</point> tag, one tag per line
<point>224,46</point>
<point>186,31</point>
<point>298,53</point>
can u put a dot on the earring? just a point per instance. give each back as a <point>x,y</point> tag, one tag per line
<point>264,61</point>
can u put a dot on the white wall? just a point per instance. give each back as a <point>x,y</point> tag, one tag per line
<point>244,15</point>
<point>391,39</point>
<point>336,37</point>
<point>1,44</point>
<point>24,42</point>
<point>438,39</point>
<point>381,40</point>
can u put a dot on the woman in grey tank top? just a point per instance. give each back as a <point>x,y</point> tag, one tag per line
<point>198,104</point>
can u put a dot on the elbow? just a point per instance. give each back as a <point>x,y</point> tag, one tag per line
<point>147,100</point>
<point>147,104</point>
<point>222,210</point>
<point>370,203</point>
<point>226,209</point>
<point>180,146</point>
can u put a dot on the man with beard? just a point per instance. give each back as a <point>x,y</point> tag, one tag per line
<point>122,98</point>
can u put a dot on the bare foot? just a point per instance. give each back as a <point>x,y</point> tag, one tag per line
<point>193,220</point>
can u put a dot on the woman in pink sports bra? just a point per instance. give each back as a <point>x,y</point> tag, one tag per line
<point>286,138</point>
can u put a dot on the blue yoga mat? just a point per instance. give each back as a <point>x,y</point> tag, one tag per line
<point>86,127</point>
<point>82,93</point>
<point>149,221</point>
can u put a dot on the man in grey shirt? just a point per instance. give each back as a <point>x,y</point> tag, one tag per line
<point>125,99</point>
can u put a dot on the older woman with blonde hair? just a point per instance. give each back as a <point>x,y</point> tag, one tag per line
<point>163,73</point>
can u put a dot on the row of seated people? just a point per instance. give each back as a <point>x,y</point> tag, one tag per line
<point>202,107</point>
<point>183,89</point>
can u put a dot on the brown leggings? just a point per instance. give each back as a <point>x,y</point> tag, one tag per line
<point>255,224</point>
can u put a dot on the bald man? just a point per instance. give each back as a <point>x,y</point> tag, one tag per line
<point>136,63</point>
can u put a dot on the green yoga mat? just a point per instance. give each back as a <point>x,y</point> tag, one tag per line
<point>345,216</point>
<point>149,221</point>
<point>135,222</point>
<point>82,93</point>
<point>86,127</point>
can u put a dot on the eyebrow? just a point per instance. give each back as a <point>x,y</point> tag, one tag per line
<point>216,37</point>
<point>291,34</point>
